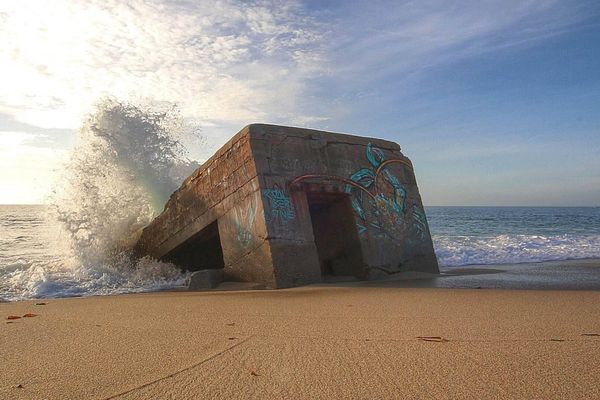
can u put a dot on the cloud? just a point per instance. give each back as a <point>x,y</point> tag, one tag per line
<point>330,65</point>
<point>221,60</point>
<point>406,38</point>
<point>231,62</point>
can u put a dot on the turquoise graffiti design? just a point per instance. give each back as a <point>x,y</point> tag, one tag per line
<point>384,207</point>
<point>280,205</point>
<point>420,222</point>
<point>243,220</point>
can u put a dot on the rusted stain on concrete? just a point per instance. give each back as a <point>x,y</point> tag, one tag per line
<point>293,205</point>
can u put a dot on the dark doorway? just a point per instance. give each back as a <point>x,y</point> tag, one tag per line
<point>336,237</point>
<point>201,251</point>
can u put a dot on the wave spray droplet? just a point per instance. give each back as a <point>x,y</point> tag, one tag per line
<point>127,162</point>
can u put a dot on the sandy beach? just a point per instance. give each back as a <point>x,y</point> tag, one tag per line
<point>347,340</point>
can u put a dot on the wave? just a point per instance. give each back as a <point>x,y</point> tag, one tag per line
<point>454,250</point>
<point>128,160</point>
<point>23,279</point>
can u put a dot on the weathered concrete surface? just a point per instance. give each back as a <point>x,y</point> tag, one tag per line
<point>286,206</point>
<point>205,279</point>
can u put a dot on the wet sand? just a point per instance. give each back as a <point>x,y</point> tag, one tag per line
<point>343,340</point>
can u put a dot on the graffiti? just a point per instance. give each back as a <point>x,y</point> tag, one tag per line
<point>280,207</point>
<point>379,199</point>
<point>419,222</point>
<point>244,219</point>
<point>388,200</point>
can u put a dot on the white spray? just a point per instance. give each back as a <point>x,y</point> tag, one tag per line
<point>127,161</point>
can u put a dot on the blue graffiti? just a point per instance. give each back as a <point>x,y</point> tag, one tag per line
<point>383,207</point>
<point>244,219</point>
<point>419,222</point>
<point>375,156</point>
<point>280,206</point>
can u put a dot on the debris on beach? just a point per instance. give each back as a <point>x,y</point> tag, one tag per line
<point>29,315</point>
<point>13,317</point>
<point>438,339</point>
<point>254,373</point>
<point>590,334</point>
<point>40,304</point>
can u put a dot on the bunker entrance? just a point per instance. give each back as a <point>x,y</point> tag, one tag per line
<point>201,251</point>
<point>336,237</point>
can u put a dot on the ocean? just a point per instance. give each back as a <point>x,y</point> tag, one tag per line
<point>36,259</point>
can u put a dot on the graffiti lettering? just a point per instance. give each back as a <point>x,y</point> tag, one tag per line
<point>280,207</point>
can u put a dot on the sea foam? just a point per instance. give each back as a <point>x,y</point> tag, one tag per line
<point>455,250</point>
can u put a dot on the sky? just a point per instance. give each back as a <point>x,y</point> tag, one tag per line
<point>495,102</point>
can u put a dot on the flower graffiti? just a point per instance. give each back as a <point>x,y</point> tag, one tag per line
<point>379,200</point>
<point>388,202</point>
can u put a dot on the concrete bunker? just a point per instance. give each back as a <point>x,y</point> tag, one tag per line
<point>285,206</point>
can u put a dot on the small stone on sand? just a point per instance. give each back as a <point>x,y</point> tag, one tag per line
<point>432,339</point>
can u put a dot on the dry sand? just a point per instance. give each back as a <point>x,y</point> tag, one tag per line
<point>353,341</point>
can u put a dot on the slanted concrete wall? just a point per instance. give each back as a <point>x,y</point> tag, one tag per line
<point>246,250</point>
<point>224,189</point>
<point>266,188</point>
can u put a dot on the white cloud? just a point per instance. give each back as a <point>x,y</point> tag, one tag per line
<point>221,60</point>
<point>232,62</point>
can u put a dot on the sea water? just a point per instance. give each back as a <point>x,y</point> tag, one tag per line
<point>506,235</point>
<point>36,258</point>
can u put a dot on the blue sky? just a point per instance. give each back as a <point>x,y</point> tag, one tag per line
<point>496,102</point>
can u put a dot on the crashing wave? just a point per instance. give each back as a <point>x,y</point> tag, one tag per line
<point>128,160</point>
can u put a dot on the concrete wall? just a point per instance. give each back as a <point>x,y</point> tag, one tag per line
<point>224,189</point>
<point>260,187</point>
<point>378,178</point>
